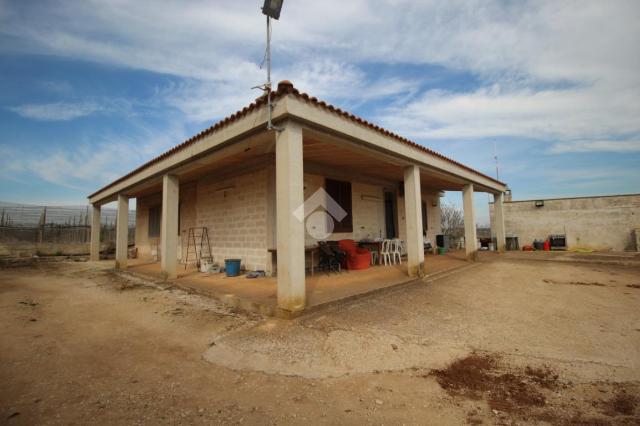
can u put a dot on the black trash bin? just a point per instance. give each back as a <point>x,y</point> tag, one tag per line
<point>442,241</point>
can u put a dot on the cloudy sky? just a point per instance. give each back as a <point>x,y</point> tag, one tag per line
<point>91,89</point>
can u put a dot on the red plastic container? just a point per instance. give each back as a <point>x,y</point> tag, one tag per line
<point>547,246</point>
<point>357,258</point>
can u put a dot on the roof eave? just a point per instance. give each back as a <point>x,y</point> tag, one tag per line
<point>254,117</point>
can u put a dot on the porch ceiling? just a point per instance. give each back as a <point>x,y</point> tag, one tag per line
<point>323,153</point>
<point>245,155</point>
<point>347,158</point>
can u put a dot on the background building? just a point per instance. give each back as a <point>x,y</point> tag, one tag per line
<point>599,222</point>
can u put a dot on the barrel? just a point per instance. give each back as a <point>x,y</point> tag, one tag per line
<point>232,267</point>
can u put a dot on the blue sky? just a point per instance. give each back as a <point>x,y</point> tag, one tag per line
<point>89,90</point>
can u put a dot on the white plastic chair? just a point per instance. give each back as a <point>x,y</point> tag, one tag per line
<point>396,250</point>
<point>385,252</point>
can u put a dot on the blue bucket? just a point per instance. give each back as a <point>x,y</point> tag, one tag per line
<point>232,267</point>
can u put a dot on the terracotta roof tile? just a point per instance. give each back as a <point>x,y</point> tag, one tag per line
<point>285,87</point>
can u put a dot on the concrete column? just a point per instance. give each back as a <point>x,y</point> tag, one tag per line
<point>169,226</point>
<point>271,218</point>
<point>498,220</point>
<point>413,220</point>
<point>470,238</point>
<point>122,232</point>
<point>94,246</point>
<point>289,229</point>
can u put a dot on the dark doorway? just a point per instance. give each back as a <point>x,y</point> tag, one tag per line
<point>341,192</point>
<point>425,223</point>
<point>390,214</point>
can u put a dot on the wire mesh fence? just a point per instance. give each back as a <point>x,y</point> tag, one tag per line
<point>56,224</point>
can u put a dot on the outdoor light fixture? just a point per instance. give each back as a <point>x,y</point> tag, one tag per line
<point>272,8</point>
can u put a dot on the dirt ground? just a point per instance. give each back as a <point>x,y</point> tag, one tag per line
<point>505,342</point>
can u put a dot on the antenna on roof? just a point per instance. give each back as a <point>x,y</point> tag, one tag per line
<point>271,9</point>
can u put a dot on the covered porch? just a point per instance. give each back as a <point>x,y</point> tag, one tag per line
<point>256,190</point>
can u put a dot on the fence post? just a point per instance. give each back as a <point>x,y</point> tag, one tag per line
<point>86,224</point>
<point>43,220</point>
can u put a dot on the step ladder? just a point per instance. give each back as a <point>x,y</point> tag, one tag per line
<point>198,246</point>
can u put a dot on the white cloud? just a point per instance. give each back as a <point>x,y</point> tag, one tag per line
<point>65,111</point>
<point>73,169</point>
<point>588,174</point>
<point>524,113</point>
<point>59,111</point>
<point>596,179</point>
<point>198,40</point>
<point>563,69</point>
<point>547,40</point>
<point>11,166</point>
<point>91,163</point>
<point>343,81</point>
<point>206,100</point>
<point>56,87</point>
<point>595,146</point>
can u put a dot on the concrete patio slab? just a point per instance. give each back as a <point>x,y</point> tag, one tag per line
<point>259,294</point>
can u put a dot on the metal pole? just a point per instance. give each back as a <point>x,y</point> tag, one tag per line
<point>268,52</point>
<point>495,156</point>
<point>268,85</point>
<point>270,125</point>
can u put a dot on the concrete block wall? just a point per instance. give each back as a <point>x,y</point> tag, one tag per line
<point>236,218</point>
<point>188,218</point>
<point>600,223</point>
<point>25,249</point>
<point>368,211</point>
<point>146,244</point>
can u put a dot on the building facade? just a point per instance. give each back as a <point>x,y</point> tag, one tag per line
<point>599,222</point>
<point>236,212</point>
<point>246,182</point>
